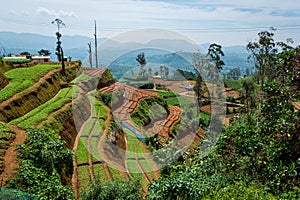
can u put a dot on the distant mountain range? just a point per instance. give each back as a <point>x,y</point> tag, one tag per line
<point>120,57</point>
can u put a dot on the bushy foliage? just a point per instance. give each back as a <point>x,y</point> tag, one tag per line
<point>185,183</point>
<point>15,195</point>
<point>43,159</point>
<point>150,110</point>
<point>239,190</point>
<point>118,190</point>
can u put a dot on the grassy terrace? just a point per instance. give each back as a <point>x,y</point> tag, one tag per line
<point>18,83</point>
<point>81,77</point>
<point>42,112</point>
<point>82,152</point>
<point>83,176</point>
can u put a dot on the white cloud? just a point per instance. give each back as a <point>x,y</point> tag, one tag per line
<point>55,13</point>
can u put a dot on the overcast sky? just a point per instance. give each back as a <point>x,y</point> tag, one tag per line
<point>234,22</point>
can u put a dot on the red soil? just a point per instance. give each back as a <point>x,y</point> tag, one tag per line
<point>10,158</point>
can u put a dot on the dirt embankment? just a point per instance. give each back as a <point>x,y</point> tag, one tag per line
<point>45,89</point>
<point>3,81</point>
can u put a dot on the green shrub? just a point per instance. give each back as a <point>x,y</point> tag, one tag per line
<point>15,195</point>
<point>118,190</point>
<point>43,160</point>
<point>238,190</point>
<point>150,110</point>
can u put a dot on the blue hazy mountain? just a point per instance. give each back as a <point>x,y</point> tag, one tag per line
<point>120,57</point>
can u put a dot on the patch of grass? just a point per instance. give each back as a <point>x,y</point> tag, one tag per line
<point>99,172</point>
<point>116,174</point>
<point>178,101</point>
<point>94,148</point>
<point>81,77</point>
<point>6,133</point>
<point>150,109</point>
<point>134,169</point>
<point>165,94</point>
<point>17,60</point>
<point>234,84</point>
<point>82,152</point>
<point>23,78</point>
<point>205,116</point>
<point>83,176</point>
<point>42,112</point>
<point>88,127</point>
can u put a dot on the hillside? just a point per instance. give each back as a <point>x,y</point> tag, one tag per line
<point>106,136</point>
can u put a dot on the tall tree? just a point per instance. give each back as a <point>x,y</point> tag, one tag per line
<point>161,71</point>
<point>216,64</point>
<point>59,51</point>
<point>44,52</point>
<point>166,71</point>
<point>142,61</point>
<point>263,55</point>
<point>150,71</point>
<point>248,91</point>
<point>215,52</point>
<point>25,53</point>
<point>199,63</point>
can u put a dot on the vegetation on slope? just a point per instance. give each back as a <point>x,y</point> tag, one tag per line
<point>3,81</point>
<point>6,137</point>
<point>150,110</point>
<point>43,160</point>
<point>260,150</point>
<point>42,112</point>
<point>22,78</point>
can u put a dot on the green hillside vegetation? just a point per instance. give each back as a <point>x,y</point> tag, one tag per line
<point>42,112</point>
<point>234,84</point>
<point>257,156</point>
<point>7,136</point>
<point>22,78</point>
<point>150,110</point>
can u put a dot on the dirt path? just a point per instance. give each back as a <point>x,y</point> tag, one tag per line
<point>10,158</point>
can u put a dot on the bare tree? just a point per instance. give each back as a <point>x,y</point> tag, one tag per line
<point>90,54</point>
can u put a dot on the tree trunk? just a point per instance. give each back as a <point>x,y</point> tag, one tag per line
<point>62,62</point>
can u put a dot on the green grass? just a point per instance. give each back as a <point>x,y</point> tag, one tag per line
<point>23,78</point>
<point>172,101</point>
<point>17,60</point>
<point>81,77</point>
<point>6,133</point>
<point>101,124</point>
<point>205,116</point>
<point>234,84</point>
<point>134,145</point>
<point>83,176</point>
<point>82,152</point>
<point>165,94</point>
<point>100,172</point>
<point>116,174</point>
<point>94,148</point>
<point>178,101</point>
<point>88,127</point>
<point>134,169</point>
<point>42,112</point>
<point>146,166</point>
